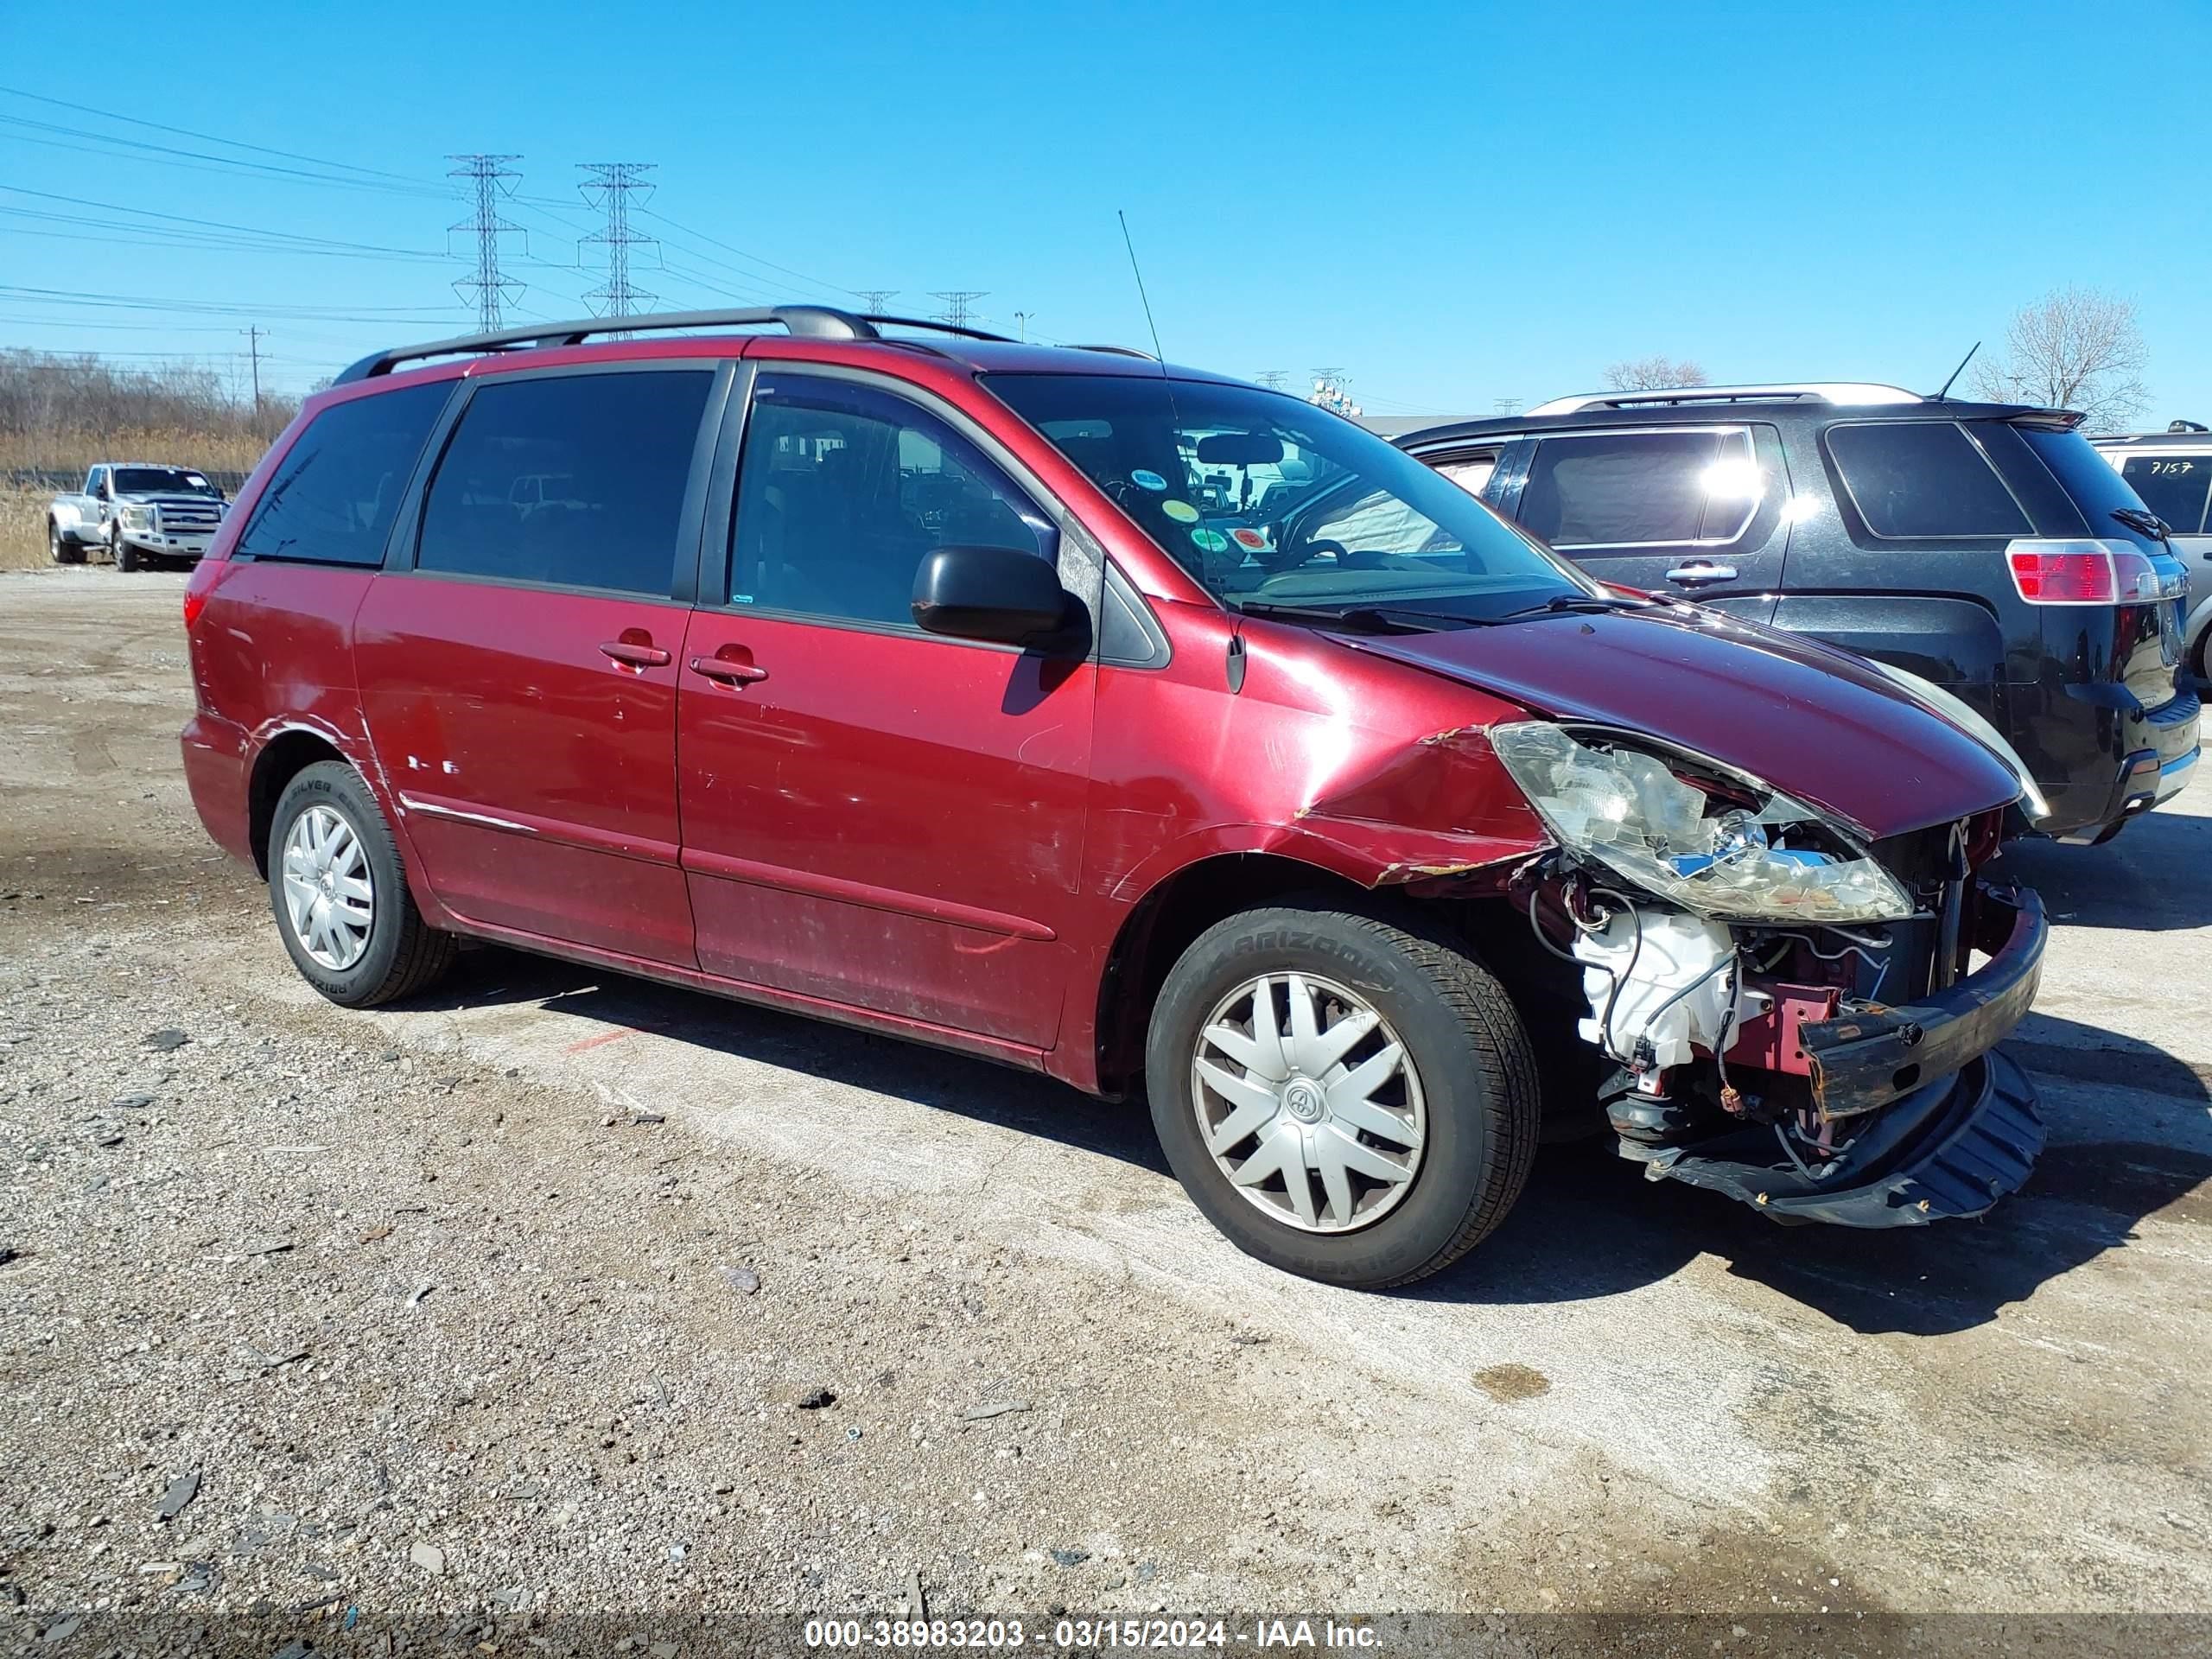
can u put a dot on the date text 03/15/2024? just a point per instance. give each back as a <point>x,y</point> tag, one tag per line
<point>1088,1634</point>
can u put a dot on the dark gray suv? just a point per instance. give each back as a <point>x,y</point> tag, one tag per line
<point>1985,548</point>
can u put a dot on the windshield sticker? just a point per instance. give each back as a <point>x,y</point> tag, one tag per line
<point>1145,480</point>
<point>1211,541</point>
<point>1181,511</point>
<point>1252,540</point>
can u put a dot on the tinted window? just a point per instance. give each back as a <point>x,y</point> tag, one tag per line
<point>1265,499</point>
<point>1637,488</point>
<point>162,480</point>
<point>333,500</point>
<point>842,491</point>
<point>575,480</point>
<point>2173,486</point>
<point>1912,479</point>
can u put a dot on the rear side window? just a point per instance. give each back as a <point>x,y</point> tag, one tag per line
<point>842,491</point>
<point>2173,486</point>
<point>568,480</point>
<point>333,500</point>
<point>1635,489</point>
<point>1923,479</point>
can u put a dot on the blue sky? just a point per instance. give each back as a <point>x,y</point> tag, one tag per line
<point>1458,203</point>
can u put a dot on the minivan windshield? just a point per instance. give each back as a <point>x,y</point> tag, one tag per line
<point>1267,500</point>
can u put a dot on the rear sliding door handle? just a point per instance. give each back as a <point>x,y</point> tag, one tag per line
<point>637,656</point>
<point>1698,573</point>
<point>729,673</point>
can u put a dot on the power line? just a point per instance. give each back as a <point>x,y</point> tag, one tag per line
<point>816,283</point>
<point>957,302</point>
<point>609,188</point>
<point>195,222</point>
<point>486,174</point>
<point>78,111</point>
<point>202,160</point>
<point>875,299</point>
<point>380,314</point>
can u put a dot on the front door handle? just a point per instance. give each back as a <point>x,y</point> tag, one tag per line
<point>636,653</point>
<point>729,671</point>
<point>1697,575</point>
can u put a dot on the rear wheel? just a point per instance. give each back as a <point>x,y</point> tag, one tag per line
<point>341,896</point>
<point>65,551</point>
<point>1347,1095</point>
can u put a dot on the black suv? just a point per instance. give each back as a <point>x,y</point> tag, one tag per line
<point>1985,548</point>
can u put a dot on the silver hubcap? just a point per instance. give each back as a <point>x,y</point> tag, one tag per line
<point>329,892</point>
<point>1299,1083</point>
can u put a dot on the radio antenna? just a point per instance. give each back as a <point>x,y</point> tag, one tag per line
<point>1960,370</point>
<point>1139,275</point>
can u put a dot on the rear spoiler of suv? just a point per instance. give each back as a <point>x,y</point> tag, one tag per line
<point>812,321</point>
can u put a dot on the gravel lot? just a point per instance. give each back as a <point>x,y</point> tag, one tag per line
<point>565,1298</point>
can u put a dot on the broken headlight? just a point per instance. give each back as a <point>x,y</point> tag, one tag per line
<point>1736,848</point>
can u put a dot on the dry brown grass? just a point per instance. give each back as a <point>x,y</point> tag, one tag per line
<point>73,452</point>
<point>23,529</point>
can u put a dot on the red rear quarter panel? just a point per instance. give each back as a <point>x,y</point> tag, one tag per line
<point>272,652</point>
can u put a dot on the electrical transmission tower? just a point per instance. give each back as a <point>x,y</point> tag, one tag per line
<point>1274,379</point>
<point>876,299</point>
<point>957,302</point>
<point>609,187</point>
<point>488,180</point>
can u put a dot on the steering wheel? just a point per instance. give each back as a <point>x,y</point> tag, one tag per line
<point>1278,559</point>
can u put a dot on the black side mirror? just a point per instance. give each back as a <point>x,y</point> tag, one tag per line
<point>990,593</point>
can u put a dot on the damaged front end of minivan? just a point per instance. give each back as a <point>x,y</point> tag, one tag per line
<point>1790,1011</point>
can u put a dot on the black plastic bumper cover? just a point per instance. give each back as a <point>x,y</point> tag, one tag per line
<point>1866,1060</point>
<point>1949,1151</point>
<point>1939,1126</point>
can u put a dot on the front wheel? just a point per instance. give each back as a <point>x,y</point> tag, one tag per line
<point>341,896</point>
<point>1347,1095</point>
<point>126,555</point>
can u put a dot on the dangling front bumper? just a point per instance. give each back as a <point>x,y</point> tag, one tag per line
<point>1932,1123</point>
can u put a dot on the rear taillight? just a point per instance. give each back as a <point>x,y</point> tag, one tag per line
<point>205,575</point>
<point>2085,571</point>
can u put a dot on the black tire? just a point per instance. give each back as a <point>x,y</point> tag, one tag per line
<point>126,555</point>
<point>1477,1074</point>
<point>63,550</point>
<point>405,955</point>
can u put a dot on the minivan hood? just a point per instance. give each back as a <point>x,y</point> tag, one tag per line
<point>1814,722</point>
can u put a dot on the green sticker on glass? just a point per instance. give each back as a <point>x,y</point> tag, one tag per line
<point>1181,511</point>
<point>1211,540</point>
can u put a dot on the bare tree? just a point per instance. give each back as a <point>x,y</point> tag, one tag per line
<point>2074,348</point>
<point>1655,374</point>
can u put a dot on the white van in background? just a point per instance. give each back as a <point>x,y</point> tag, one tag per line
<point>2173,472</point>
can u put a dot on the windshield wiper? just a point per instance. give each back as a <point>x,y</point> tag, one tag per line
<point>1559,602</point>
<point>2149,522</point>
<point>1366,619</point>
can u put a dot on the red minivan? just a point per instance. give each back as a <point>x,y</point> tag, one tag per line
<point>981,694</point>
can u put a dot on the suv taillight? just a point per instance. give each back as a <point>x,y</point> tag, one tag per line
<point>205,575</point>
<point>2084,571</point>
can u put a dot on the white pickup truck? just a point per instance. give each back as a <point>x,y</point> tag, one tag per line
<point>136,511</point>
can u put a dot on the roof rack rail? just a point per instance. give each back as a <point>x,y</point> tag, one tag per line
<point>1120,351</point>
<point>1802,391</point>
<point>804,321</point>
